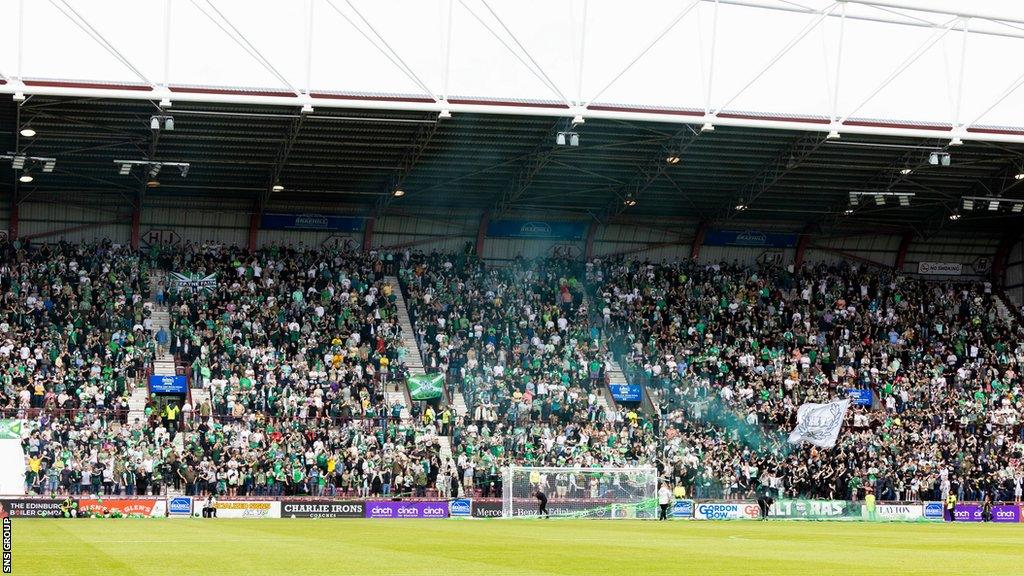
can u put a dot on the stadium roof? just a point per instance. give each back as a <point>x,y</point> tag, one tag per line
<point>351,161</point>
<point>773,78</point>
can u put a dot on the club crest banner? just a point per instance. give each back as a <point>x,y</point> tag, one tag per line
<point>819,424</point>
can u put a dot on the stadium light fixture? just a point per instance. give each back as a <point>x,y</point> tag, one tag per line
<point>832,135</point>
<point>277,187</point>
<point>879,200</point>
<point>1018,176</point>
<point>25,178</point>
<point>955,215</point>
<point>574,139</point>
<point>848,212</point>
<point>629,200</point>
<point>578,119</point>
<point>398,193</point>
<point>306,109</point>
<point>19,97</point>
<point>48,164</point>
<point>968,204</point>
<point>933,158</point>
<point>741,205</point>
<point>18,162</point>
<point>154,123</point>
<point>1017,207</point>
<point>169,123</point>
<point>904,201</point>
<point>672,158</point>
<point>28,132</point>
<point>165,103</point>
<point>906,171</point>
<point>707,127</point>
<point>956,141</point>
<point>944,159</point>
<point>560,139</point>
<point>125,169</point>
<point>993,205</point>
<point>444,115</point>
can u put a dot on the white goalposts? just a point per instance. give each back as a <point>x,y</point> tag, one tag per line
<point>581,492</point>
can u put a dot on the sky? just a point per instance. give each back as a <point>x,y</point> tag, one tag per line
<point>539,50</point>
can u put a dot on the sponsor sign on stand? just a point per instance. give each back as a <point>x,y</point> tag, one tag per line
<point>321,509</point>
<point>682,509</point>
<point>31,508</point>
<point>168,384</point>
<point>179,507</point>
<point>460,508</point>
<point>933,510</point>
<point>407,509</point>
<point>536,229</point>
<point>248,509</point>
<point>905,512</point>
<point>726,511</point>
<point>486,508</point>
<point>1000,513</point>
<point>125,506</point>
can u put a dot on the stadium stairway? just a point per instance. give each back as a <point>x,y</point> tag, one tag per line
<point>1004,311</point>
<point>612,370</point>
<point>413,359</point>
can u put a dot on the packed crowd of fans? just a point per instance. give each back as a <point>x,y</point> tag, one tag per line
<point>732,352</point>
<point>295,349</point>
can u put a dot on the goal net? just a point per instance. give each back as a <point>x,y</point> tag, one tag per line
<point>581,492</point>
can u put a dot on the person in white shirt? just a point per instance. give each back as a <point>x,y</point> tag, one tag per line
<point>664,500</point>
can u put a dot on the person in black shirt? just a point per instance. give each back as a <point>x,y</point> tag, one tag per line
<point>542,504</point>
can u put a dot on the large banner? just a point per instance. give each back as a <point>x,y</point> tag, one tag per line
<point>749,238</point>
<point>407,509</point>
<point>168,384</point>
<point>322,509</point>
<point>30,508</point>
<point>426,386</point>
<point>153,507</point>
<point>537,229</point>
<point>812,509</point>
<point>1000,513</point>
<point>819,424</point>
<point>626,392</point>
<point>726,511</point>
<point>248,509</point>
<point>311,222</point>
<point>192,282</point>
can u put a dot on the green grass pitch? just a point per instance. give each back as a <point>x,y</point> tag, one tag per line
<point>322,547</point>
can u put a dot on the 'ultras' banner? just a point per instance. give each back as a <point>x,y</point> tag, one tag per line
<point>153,507</point>
<point>30,508</point>
<point>322,509</point>
<point>813,509</point>
<point>404,509</point>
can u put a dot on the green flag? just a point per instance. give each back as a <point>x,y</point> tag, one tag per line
<point>426,386</point>
<point>10,430</point>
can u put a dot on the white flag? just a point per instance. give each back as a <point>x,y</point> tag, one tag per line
<point>819,424</point>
